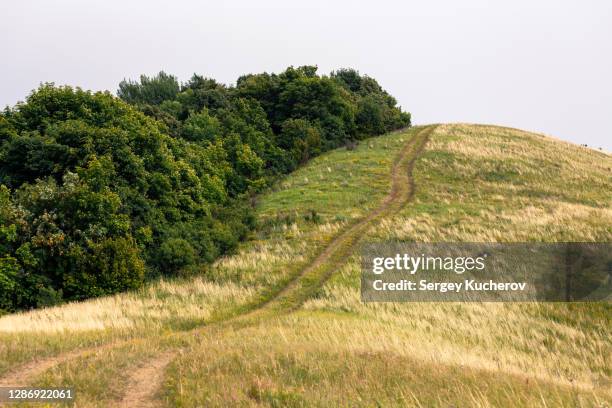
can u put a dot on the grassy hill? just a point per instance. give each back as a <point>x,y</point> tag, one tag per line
<point>280,323</point>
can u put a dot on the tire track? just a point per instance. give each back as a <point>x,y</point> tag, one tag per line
<point>23,374</point>
<point>322,267</point>
<point>145,381</point>
<point>300,288</point>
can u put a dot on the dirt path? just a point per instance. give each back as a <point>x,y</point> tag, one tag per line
<point>144,381</point>
<point>343,245</point>
<point>22,375</point>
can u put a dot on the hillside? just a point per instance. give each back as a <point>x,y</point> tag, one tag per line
<point>280,323</point>
<point>100,195</point>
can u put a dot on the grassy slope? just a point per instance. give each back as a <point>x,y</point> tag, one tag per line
<point>474,183</point>
<point>285,243</point>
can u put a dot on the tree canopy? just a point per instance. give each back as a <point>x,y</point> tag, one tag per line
<point>100,193</point>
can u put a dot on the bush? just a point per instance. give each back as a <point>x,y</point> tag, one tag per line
<point>176,253</point>
<point>90,173</point>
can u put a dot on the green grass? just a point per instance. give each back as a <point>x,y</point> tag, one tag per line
<point>465,193</point>
<point>279,253</point>
<point>474,183</point>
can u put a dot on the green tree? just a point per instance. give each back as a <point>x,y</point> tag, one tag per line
<point>99,193</point>
<point>301,138</point>
<point>150,90</point>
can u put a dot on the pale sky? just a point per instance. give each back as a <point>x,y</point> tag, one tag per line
<point>539,65</point>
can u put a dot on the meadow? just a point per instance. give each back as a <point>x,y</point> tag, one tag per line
<point>474,183</point>
<point>285,241</point>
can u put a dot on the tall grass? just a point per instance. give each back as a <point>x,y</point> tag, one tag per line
<point>488,184</point>
<point>474,183</point>
<point>288,237</point>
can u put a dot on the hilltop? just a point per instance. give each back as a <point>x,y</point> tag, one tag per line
<point>280,322</point>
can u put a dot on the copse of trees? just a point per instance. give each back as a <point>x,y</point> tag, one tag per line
<point>100,193</point>
<point>97,196</point>
<point>330,110</point>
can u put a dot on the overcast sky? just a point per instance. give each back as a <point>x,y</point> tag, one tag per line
<point>533,64</point>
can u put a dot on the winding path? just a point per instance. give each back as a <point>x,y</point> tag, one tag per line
<point>144,381</point>
<point>318,271</point>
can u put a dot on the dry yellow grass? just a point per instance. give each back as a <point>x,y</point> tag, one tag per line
<point>488,184</point>
<point>474,183</point>
<point>285,241</point>
<point>491,184</point>
<point>517,339</point>
<point>162,304</point>
<point>340,359</point>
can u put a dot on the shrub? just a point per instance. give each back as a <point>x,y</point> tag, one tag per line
<point>176,253</point>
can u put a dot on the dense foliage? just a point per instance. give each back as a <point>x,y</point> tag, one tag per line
<point>100,193</point>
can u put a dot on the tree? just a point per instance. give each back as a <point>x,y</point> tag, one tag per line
<point>301,138</point>
<point>101,187</point>
<point>151,90</point>
<point>99,193</point>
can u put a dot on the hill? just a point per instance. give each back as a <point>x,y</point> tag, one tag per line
<point>280,323</point>
<point>99,194</point>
